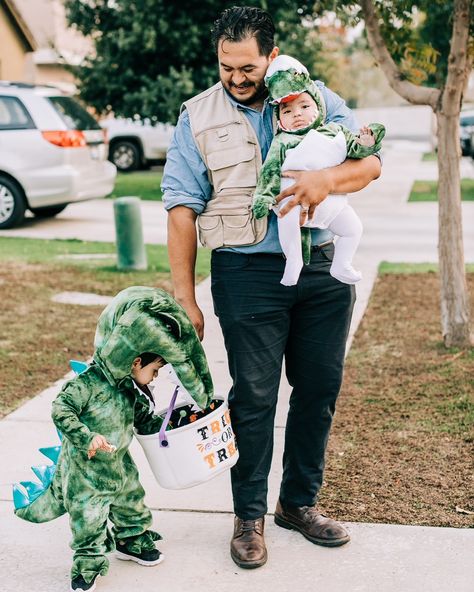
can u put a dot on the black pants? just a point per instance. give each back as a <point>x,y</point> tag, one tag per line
<point>262,321</point>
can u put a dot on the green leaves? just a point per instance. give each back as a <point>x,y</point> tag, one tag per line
<point>151,55</point>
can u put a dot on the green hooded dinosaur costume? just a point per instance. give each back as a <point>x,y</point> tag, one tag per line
<point>104,400</point>
<point>287,78</point>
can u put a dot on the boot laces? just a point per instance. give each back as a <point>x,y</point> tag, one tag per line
<point>250,526</point>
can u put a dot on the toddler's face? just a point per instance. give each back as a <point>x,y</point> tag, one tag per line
<point>299,112</point>
<point>145,375</point>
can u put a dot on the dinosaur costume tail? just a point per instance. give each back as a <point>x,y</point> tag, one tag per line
<point>44,508</point>
<point>36,502</point>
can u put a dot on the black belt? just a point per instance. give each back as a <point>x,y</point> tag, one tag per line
<point>322,245</point>
<point>314,249</point>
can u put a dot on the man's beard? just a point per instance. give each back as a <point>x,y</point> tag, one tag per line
<point>260,92</point>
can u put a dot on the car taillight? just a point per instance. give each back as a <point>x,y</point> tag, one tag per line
<point>66,139</point>
<point>105,135</point>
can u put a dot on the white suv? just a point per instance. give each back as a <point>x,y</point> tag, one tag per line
<point>52,152</point>
<point>135,144</point>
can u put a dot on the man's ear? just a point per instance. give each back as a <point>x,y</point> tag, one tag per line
<point>171,323</point>
<point>274,53</point>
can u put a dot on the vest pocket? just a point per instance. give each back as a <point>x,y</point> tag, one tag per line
<point>223,229</point>
<point>233,167</point>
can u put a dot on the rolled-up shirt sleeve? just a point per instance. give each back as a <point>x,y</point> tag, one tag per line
<point>338,112</point>
<point>185,180</point>
<point>336,109</point>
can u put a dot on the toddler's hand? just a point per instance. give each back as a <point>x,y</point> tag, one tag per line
<point>99,443</point>
<point>366,137</point>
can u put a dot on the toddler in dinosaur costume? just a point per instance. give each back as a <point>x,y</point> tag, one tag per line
<point>303,142</point>
<point>95,478</point>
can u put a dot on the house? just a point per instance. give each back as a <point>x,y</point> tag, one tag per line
<point>16,43</point>
<point>49,45</point>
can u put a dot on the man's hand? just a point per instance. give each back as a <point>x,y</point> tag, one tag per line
<point>99,443</point>
<point>312,187</point>
<point>309,190</point>
<point>195,316</point>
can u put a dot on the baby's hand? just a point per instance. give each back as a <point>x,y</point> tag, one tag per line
<point>261,206</point>
<point>99,443</point>
<point>366,137</point>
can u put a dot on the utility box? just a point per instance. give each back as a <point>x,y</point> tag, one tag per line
<point>131,253</point>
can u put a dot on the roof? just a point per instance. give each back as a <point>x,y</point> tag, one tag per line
<point>19,24</point>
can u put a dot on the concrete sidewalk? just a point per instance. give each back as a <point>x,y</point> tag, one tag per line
<point>197,523</point>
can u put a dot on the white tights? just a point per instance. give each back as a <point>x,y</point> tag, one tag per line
<point>346,225</point>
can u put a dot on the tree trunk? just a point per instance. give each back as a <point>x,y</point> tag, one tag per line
<point>454,294</point>
<point>446,105</point>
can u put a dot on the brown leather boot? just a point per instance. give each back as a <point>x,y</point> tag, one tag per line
<point>247,547</point>
<point>317,528</point>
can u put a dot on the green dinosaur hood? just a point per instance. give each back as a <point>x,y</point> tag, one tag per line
<point>141,319</point>
<point>287,78</point>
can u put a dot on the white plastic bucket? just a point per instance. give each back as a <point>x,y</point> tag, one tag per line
<point>195,452</point>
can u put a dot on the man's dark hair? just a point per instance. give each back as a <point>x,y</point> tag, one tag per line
<point>241,22</point>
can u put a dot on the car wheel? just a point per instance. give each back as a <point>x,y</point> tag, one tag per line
<point>125,156</point>
<point>12,203</point>
<point>48,211</point>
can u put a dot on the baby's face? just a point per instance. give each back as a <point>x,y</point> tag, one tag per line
<point>299,112</point>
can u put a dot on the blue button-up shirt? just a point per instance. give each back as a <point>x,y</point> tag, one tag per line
<point>185,180</point>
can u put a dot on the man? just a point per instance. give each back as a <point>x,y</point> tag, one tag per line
<point>221,139</point>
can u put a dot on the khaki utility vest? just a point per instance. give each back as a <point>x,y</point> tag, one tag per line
<point>230,150</point>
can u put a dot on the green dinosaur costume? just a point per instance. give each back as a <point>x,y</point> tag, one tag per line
<point>287,78</point>
<point>104,400</point>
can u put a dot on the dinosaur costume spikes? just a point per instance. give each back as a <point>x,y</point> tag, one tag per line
<point>52,452</point>
<point>44,473</point>
<point>20,497</point>
<point>78,367</point>
<point>33,489</point>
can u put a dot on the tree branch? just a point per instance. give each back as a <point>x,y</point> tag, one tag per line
<point>459,61</point>
<point>418,95</point>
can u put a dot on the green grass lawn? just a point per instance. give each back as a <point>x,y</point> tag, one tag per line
<point>65,252</point>
<point>427,190</point>
<point>429,157</point>
<point>38,336</point>
<point>142,184</point>
<point>386,268</point>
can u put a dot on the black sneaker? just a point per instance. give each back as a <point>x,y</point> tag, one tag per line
<point>152,557</point>
<point>79,583</point>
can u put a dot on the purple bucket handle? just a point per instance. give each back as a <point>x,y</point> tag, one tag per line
<point>161,433</point>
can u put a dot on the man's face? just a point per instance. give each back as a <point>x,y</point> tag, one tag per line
<point>242,69</point>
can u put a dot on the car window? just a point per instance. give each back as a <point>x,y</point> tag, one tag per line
<point>13,114</point>
<point>468,120</point>
<point>73,114</point>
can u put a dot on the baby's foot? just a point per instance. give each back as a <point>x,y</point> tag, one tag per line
<point>346,275</point>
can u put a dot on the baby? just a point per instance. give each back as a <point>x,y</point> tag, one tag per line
<point>302,142</point>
